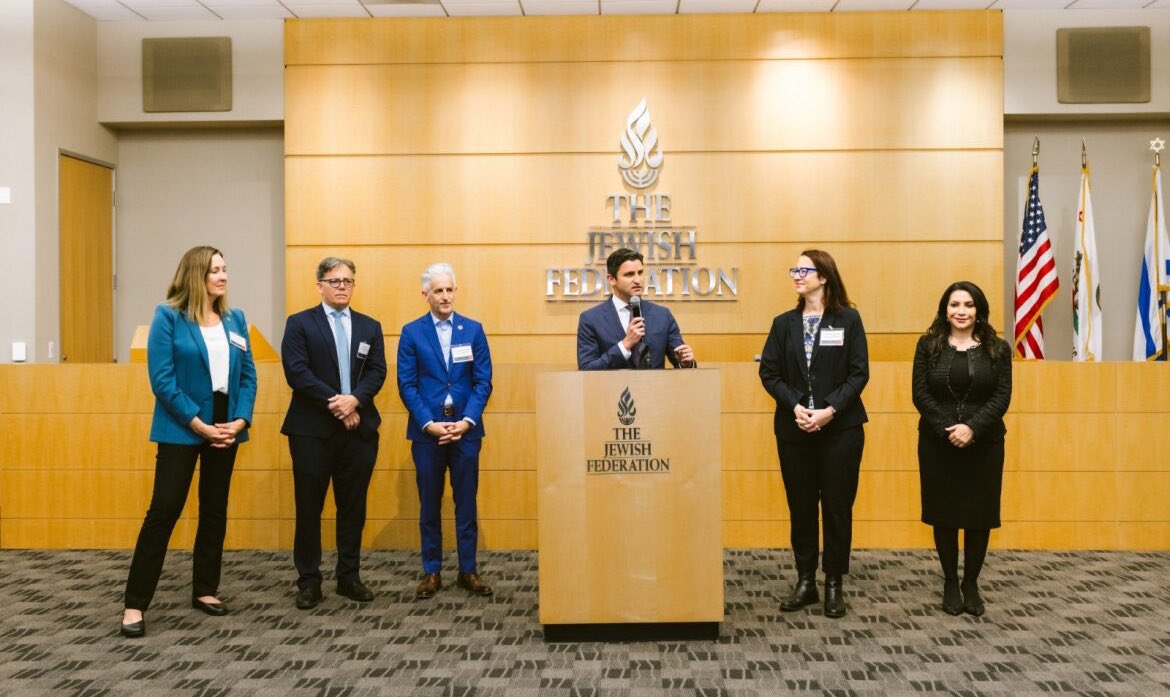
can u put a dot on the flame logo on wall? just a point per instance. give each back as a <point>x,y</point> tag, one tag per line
<point>641,154</point>
<point>626,410</point>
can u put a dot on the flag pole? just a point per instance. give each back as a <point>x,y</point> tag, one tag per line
<point>1156,146</point>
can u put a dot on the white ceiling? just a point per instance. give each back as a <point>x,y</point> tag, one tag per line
<point>168,10</point>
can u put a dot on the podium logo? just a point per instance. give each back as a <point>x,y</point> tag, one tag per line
<point>626,410</point>
<point>641,153</point>
<point>628,451</point>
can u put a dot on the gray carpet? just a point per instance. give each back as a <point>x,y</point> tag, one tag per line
<point>1085,623</point>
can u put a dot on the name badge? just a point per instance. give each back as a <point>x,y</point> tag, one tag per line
<point>363,349</point>
<point>238,341</point>
<point>832,337</point>
<point>461,353</point>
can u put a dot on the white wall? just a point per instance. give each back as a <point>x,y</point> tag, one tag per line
<point>65,77</point>
<point>257,70</point>
<point>182,188</point>
<point>1117,137</point>
<point>1029,61</point>
<point>17,173</point>
<point>1120,162</point>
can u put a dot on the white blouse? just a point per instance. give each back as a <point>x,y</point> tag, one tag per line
<point>217,355</point>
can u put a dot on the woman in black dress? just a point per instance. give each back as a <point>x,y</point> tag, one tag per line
<point>962,388</point>
<point>815,364</point>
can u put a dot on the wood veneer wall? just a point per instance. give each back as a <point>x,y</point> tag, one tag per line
<point>492,143</point>
<point>1086,465</point>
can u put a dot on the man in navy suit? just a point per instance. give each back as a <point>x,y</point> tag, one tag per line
<point>445,379</point>
<point>335,362</point>
<point>608,338</point>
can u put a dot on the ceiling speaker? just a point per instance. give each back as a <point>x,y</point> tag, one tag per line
<point>187,74</point>
<point>1103,65</point>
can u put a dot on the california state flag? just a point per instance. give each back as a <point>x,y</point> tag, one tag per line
<point>1086,281</point>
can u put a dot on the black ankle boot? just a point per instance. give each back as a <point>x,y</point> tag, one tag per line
<point>972,601</point>
<point>834,597</point>
<point>952,600</point>
<point>803,593</point>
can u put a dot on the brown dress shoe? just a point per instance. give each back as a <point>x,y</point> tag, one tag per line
<point>430,585</point>
<point>473,583</point>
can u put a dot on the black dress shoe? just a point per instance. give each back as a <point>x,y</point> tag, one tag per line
<point>213,609</point>
<point>803,593</point>
<point>473,583</point>
<point>355,590</point>
<point>307,598</point>
<point>834,597</point>
<point>134,630</point>
<point>952,601</point>
<point>972,601</point>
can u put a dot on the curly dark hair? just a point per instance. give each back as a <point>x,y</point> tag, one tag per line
<point>940,329</point>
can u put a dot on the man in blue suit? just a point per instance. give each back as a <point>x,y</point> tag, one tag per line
<point>445,379</point>
<point>335,362</point>
<point>610,337</point>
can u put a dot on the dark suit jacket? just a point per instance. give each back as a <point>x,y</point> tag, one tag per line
<point>424,380</point>
<point>309,355</point>
<point>180,376</point>
<point>599,330</point>
<point>836,376</point>
<point>986,402</point>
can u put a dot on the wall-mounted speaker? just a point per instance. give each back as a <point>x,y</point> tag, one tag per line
<point>1103,65</point>
<point>187,74</point>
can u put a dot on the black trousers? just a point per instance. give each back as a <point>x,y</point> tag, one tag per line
<point>821,471</point>
<point>174,468</point>
<point>348,460</point>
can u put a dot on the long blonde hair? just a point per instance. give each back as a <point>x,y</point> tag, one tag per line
<point>188,290</point>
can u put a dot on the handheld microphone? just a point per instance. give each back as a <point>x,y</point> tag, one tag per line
<point>641,354</point>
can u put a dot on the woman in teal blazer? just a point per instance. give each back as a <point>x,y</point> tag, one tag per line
<point>199,357</point>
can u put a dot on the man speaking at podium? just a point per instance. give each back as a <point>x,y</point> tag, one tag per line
<point>625,331</point>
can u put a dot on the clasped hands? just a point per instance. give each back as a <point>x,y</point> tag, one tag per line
<point>812,420</point>
<point>218,435</point>
<point>448,431</point>
<point>344,407</point>
<point>960,435</point>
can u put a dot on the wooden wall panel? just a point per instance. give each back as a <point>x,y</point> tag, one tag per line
<point>721,106</point>
<point>536,349</point>
<point>622,38</point>
<point>752,197</point>
<point>387,287</point>
<point>1074,479</point>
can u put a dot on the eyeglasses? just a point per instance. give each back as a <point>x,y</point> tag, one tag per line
<point>339,282</point>
<point>801,271</point>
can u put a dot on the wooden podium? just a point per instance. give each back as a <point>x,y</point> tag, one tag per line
<point>629,498</point>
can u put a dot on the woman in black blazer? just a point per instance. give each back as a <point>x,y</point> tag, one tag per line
<point>962,387</point>
<point>815,364</point>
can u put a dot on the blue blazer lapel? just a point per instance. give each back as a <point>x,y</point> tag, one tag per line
<point>230,325</point>
<point>428,328</point>
<point>458,334</point>
<point>197,337</point>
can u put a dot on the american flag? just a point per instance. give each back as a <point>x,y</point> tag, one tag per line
<point>1036,281</point>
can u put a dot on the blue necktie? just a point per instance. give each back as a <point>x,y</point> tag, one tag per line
<point>342,342</point>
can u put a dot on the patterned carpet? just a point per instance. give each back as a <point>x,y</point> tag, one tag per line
<point>1086,623</point>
